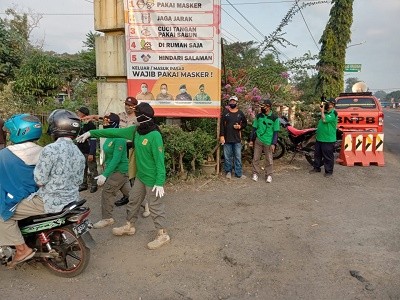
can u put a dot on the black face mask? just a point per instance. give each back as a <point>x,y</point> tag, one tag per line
<point>263,110</point>
<point>232,105</point>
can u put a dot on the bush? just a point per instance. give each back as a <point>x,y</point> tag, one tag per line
<point>185,150</point>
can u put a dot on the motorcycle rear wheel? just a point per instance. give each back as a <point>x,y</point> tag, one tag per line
<point>279,150</point>
<point>73,257</point>
<point>310,149</point>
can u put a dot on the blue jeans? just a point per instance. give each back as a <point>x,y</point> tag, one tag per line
<point>233,158</point>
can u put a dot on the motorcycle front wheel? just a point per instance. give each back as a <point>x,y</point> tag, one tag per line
<point>73,255</point>
<point>279,150</point>
<point>309,152</point>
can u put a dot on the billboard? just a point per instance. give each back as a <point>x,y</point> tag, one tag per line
<point>173,55</point>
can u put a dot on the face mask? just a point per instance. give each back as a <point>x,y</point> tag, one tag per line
<point>183,91</point>
<point>232,105</point>
<point>263,110</point>
<point>144,90</point>
<point>163,91</point>
<point>143,118</point>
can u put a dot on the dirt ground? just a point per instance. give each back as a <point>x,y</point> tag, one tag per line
<point>301,237</point>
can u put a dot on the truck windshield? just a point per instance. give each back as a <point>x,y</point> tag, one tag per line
<point>365,103</point>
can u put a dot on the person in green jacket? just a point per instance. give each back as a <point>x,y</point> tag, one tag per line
<point>263,138</point>
<point>115,175</point>
<point>326,139</point>
<point>150,174</point>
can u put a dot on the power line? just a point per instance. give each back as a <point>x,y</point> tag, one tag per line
<point>227,37</point>
<point>254,27</point>
<point>305,22</point>
<point>241,25</point>
<point>269,2</point>
<point>230,34</point>
<point>251,24</point>
<point>60,14</point>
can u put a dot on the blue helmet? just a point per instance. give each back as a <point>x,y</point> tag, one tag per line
<point>23,128</point>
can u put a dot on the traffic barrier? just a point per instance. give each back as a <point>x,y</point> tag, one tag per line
<point>363,148</point>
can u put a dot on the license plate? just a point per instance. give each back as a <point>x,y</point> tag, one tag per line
<point>81,228</point>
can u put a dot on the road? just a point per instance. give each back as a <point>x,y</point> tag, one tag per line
<point>392,131</point>
<point>303,236</point>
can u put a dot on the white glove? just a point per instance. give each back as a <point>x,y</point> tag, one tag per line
<point>101,179</point>
<point>83,137</point>
<point>159,190</point>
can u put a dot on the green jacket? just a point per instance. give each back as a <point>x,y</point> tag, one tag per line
<point>115,157</point>
<point>326,130</point>
<point>149,152</point>
<point>265,126</point>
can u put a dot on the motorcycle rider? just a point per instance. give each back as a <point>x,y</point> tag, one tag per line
<point>58,173</point>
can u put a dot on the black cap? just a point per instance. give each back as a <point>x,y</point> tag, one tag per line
<point>266,102</point>
<point>84,110</point>
<point>332,100</point>
<point>144,109</point>
<point>113,120</point>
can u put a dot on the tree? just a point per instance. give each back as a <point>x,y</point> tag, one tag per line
<point>305,84</point>
<point>380,95</point>
<point>395,95</point>
<point>349,83</point>
<point>38,76</point>
<point>15,30</point>
<point>334,40</point>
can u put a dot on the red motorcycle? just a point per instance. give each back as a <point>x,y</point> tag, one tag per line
<point>295,141</point>
<point>300,141</point>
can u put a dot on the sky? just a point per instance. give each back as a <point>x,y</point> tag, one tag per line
<point>374,44</point>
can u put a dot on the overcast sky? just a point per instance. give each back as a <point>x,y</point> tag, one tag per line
<point>375,30</point>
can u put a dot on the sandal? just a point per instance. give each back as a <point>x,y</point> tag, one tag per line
<point>13,263</point>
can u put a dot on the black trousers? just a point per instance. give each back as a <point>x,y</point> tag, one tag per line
<point>324,156</point>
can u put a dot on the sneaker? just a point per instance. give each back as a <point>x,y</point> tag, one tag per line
<point>242,177</point>
<point>146,212</point>
<point>314,171</point>
<point>83,187</point>
<point>93,189</point>
<point>228,175</point>
<point>103,223</point>
<point>255,177</point>
<point>269,179</point>
<point>127,229</point>
<point>328,175</point>
<point>161,239</point>
<point>124,200</point>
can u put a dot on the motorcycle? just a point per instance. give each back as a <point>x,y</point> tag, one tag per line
<point>300,141</point>
<point>295,141</point>
<point>62,240</point>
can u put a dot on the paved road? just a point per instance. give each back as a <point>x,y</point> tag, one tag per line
<point>392,131</point>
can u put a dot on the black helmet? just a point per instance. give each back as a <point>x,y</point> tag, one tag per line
<point>63,122</point>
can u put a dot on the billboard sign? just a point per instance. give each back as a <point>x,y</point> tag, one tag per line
<point>173,56</point>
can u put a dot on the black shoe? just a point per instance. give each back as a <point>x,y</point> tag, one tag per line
<point>93,189</point>
<point>328,175</point>
<point>83,187</point>
<point>314,171</point>
<point>124,200</point>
